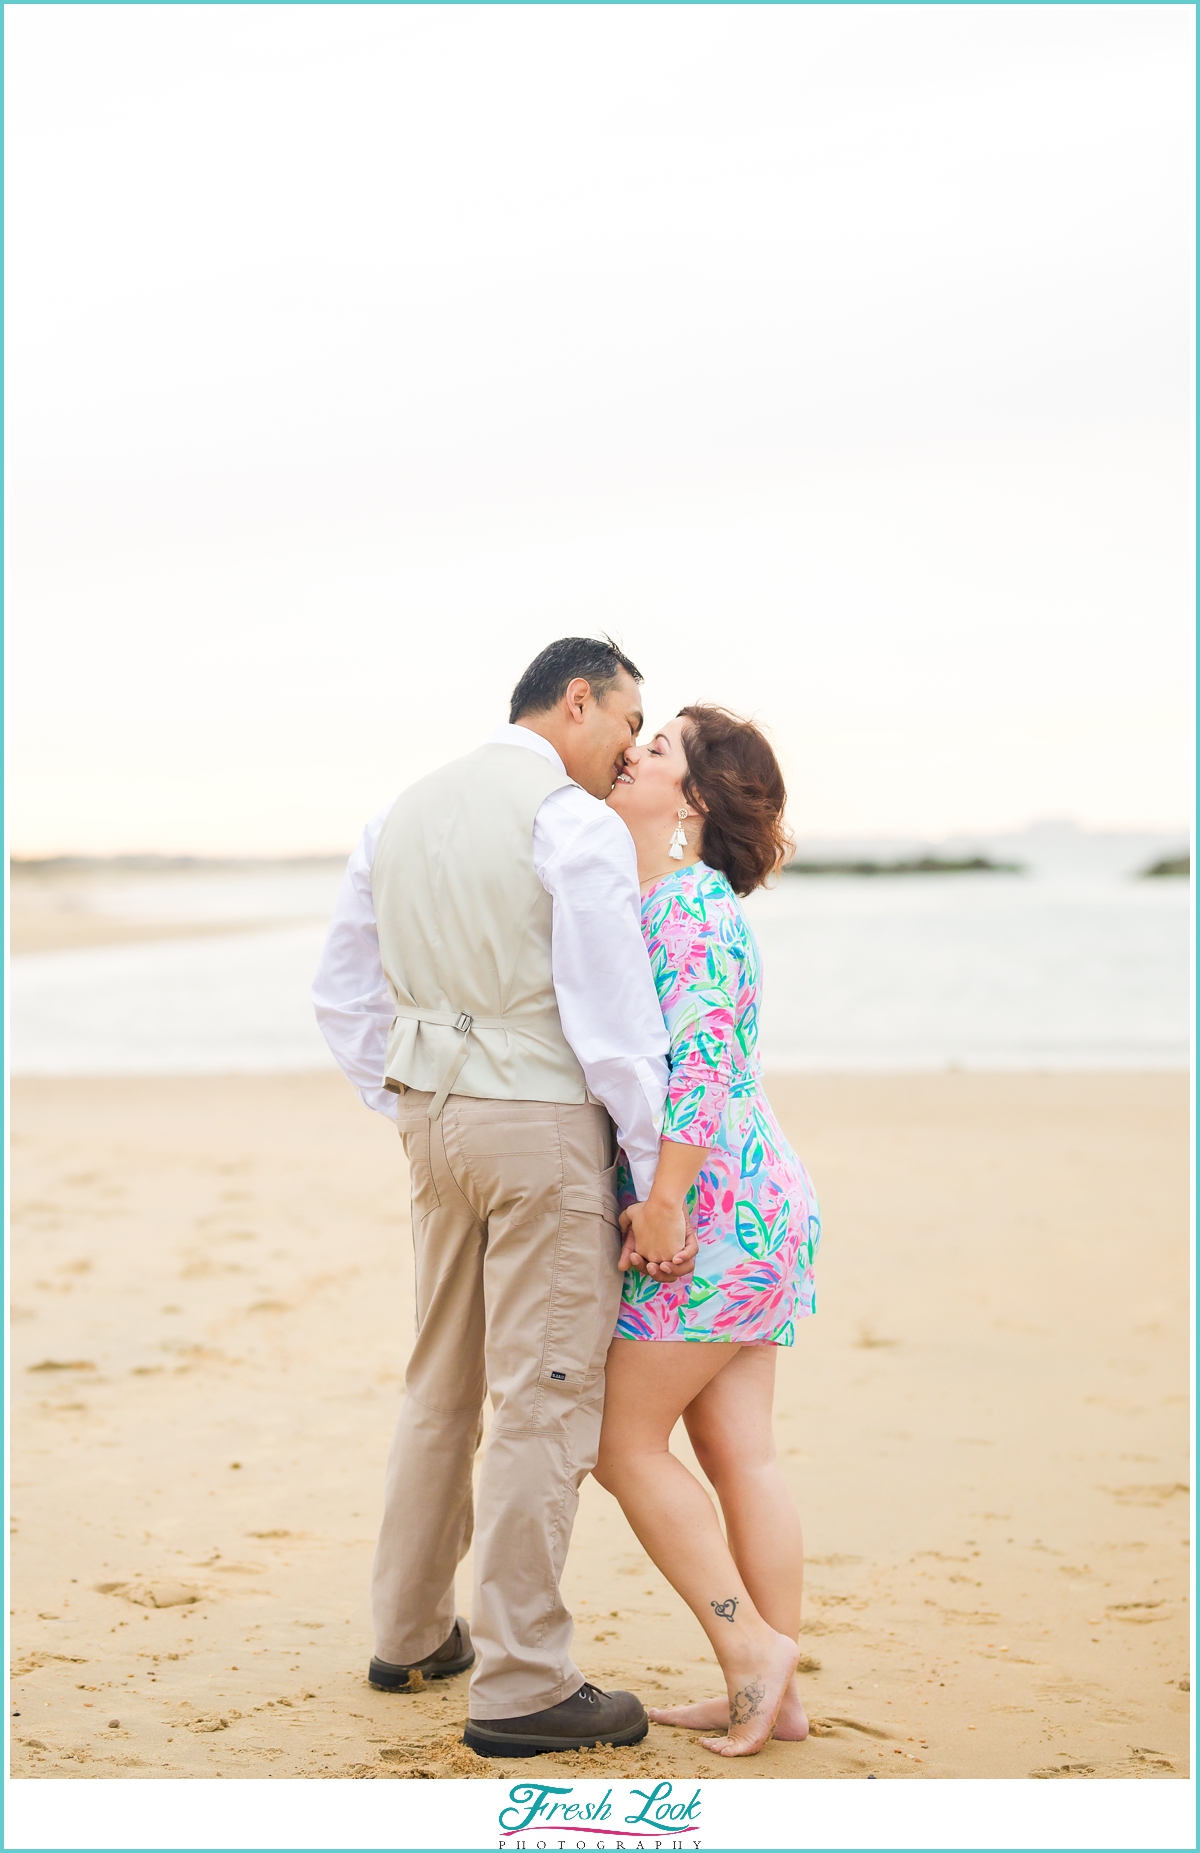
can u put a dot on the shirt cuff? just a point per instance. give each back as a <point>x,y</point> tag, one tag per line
<point>643,1163</point>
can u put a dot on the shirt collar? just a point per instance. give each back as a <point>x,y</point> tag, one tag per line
<point>511,735</point>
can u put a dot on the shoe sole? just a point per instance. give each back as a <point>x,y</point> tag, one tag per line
<point>505,1743</point>
<point>446,1670</point>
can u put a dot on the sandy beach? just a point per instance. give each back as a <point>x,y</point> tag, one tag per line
<point>986,1427</point>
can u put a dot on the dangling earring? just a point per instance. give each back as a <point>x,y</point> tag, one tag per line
<point>678,840</point>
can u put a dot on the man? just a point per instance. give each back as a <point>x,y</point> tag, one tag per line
<point>486,981</point>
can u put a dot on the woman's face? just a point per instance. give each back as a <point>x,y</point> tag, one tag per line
<point>650,789</point>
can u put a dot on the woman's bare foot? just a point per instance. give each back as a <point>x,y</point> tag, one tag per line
<point>708,1715</point>
<point>757,1698</point>
<point>791,1725</point>
<point>791,1720</point>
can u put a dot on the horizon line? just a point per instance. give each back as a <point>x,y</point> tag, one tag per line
<point>31,860</point>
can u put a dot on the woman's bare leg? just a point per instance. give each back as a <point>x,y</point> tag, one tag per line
<point>729,1426</point>
<point>649,1385</point>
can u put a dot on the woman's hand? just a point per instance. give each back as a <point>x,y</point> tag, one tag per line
<point>659,1239</point>
<point>653,1245</point>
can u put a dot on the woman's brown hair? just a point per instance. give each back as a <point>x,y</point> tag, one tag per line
<point>733,779</point>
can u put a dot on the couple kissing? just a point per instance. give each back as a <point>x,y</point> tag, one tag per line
<point>539,967</point>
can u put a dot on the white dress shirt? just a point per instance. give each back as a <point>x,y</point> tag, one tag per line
<point>585,860</point>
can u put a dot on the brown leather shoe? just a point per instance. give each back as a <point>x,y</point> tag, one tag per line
<point>454,1655</point>
<point>589,1717</point>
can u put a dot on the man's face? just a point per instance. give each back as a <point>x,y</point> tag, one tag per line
<point>596,748</point>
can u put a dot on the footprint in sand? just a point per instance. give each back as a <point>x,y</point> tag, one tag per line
<point>826,1726</point>
<point>154,1595</point>
<point>1136,1611</point>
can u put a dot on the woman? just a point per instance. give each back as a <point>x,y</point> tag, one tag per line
<point>704,803</point>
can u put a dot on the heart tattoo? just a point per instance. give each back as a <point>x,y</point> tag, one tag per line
<point>725,1609</point>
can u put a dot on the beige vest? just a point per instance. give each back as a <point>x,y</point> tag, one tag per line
<point>464,935</point>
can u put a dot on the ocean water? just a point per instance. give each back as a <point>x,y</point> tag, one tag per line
<point>974,971</point>
<point>1073,964</point>
<point>229,1004</point>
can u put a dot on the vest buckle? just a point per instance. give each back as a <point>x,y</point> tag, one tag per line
<point>463,1022</point>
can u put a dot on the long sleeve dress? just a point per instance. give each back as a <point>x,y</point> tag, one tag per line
<point>752,1206</point>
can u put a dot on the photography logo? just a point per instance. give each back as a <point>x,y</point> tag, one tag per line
<point>662,1819</point>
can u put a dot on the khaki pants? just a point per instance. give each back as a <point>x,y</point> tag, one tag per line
<point>516,1243</point>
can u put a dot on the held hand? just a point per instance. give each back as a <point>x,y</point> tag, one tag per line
<point>658,1233</point>
<point>681,1264</point>
<point>659,1240</point>
<point>629,1257</point>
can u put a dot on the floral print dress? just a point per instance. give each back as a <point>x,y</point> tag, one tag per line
<point>752,1206</point>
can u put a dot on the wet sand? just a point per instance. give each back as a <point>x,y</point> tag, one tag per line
<point>986,1427</point>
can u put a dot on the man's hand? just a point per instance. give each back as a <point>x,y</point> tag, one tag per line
<point>658,1241</point>
<point>629,1257</point>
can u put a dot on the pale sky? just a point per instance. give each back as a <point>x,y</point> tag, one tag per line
<point>835,358</point>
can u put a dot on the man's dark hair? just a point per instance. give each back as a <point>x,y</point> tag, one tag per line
<point>596,659</point>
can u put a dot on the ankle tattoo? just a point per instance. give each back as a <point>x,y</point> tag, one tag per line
<point>725,1609</point>
<point>745,1703</point>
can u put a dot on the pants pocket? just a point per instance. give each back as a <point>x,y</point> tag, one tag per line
<point>416,1135</point>
<point>585,1299</point>
<point>595,1199</point>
